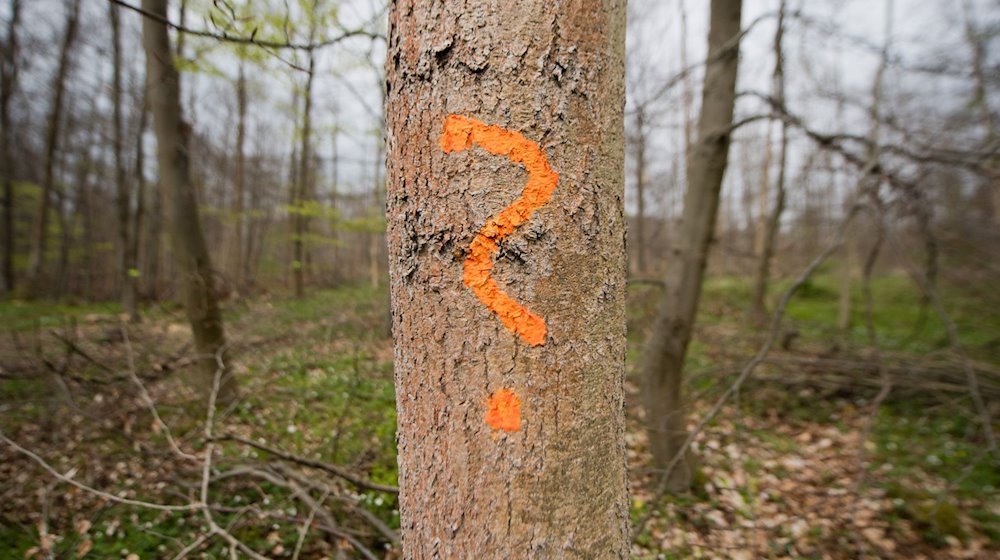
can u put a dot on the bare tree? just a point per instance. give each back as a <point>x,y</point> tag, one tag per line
<point>8,85</point>
<point>190,251</point>
<point>510,414</point>
<point>772,220</point>
<point>666,348</point>
<point>239,254</point>
<point>126,264</point>
<point>55,118</point>
<point>303,189</point>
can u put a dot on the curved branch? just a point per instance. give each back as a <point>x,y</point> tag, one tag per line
<point>252,39</point>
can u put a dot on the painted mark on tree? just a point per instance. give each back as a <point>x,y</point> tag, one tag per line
<point>503,411</point>
<point>459,134</point>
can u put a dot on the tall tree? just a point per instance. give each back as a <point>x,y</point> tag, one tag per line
<point>8,84</point>
<point>980,72</point>
<point>41,233</point>
<point>190,251</point>
<point>771,221</point>
<point>303,188</point>
<point>505,151</point>
<point>872,153</point>
<point>126,264</point>
<point>666,348</point>
<point>239,180</point>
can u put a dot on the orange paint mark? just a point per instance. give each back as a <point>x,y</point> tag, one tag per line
<point>503,411</point>
<point>459,134</point>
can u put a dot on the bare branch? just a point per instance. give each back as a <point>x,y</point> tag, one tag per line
<point>327,467</point>
<point>252,39</point>
<point>100,493</point>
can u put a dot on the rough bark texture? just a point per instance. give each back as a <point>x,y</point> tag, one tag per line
<point>189,248</point>
<point>667,346</point>
<point>549,482</point>
<point>41,233</point>
<point>8,83</point>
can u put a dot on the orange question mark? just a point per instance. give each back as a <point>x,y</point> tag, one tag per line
<point>460,133</point>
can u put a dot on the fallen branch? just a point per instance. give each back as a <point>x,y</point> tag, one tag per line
<point>335,470</point>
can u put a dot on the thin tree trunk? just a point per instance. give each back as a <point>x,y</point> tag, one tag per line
<point>193,262</point>
<point>640,192</point>
<point>850,245</point>
<point>667,346</point>
<point>764,194</point>
<point>126,264</point>
<point>980,97</point>
<point>239,196</point>
<point>334,204</point>
<point>302,191</point>
<point>140,189</point>
<point>846,272</point>
<point>41,233</point>
<point>509,385</point>
<point>374,269</point>
<point>8,85</point>
<point>773,220</point>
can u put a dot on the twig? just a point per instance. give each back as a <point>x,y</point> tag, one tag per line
<point>304,529</point>
<point>327,467</point>
<point>252,39</point>
<point>100,493</point>
<point>147,400</point>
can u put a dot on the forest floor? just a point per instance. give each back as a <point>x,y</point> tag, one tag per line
<point>798,465</point>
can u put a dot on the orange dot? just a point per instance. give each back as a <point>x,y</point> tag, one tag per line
<point>503,411</point>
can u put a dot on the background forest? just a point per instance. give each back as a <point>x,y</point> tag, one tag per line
<point>840,382</point>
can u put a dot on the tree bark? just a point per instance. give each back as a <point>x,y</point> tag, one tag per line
<point>191,254</point>
<point>8,84</point>
<point>667,345</point>
<point>509,353</point>
<point>41,233</point>
<point>773,219</point>
<point>126,264</point>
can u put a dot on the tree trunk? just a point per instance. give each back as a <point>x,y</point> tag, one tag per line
<point>850,243</point>
<point>980,97</point>
<point>773,220</point>
<point>126,265</point>
<point>668,342</point>
<point>41,234</point>
<point>8,84</point>
<point>193,262</point>
<point>239,196</point>
<point>374,237</point>
<point>302,198</point>
<point>640,192</point>
<point>509,355</point>
<point>140,188</point>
